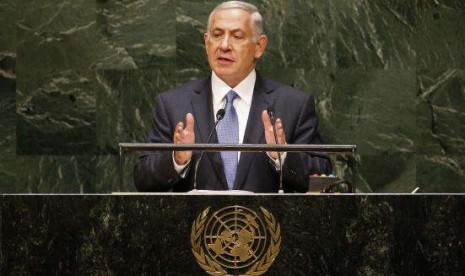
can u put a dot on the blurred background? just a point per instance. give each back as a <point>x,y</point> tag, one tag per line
<point>78,77</point>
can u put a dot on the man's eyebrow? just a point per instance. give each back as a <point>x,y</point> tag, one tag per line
<point>237,31</point>
<point>232,31</point>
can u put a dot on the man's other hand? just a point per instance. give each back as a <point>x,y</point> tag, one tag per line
<point>269,136</point>
<point>184,136</point>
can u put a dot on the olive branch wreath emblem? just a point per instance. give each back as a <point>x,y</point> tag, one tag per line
<point>214,268</point>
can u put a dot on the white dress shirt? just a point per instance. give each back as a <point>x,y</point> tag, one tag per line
<point>242,103</point>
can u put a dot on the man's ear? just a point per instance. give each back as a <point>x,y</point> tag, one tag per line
<point>260,46</point>
<point>205,39</point>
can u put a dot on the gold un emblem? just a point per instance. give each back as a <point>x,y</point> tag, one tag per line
<point>235,240</point>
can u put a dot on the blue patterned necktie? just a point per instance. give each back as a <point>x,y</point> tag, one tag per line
<point>228,133</point>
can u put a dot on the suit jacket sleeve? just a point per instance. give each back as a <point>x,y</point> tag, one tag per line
<point>298,166</point>
<point>154,171</point>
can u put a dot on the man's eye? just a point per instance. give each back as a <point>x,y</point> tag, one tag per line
<point>238,37</point>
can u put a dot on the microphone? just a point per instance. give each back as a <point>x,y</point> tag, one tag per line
<point>219,116</point>
<point>271,113</point>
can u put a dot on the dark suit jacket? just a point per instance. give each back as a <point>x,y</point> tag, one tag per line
<point>155,170</point>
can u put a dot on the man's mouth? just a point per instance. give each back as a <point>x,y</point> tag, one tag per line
<point>224,60</point>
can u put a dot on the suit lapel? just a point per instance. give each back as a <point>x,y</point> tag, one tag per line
<point>254,130</point>
<point>204,121</point>
<point>203,112</point>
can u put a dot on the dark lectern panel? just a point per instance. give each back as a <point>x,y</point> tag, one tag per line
<point>150,234</point>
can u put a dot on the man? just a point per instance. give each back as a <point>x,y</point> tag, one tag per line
<point>234,42</point>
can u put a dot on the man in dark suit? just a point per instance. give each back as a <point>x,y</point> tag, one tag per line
<point>234,41</point>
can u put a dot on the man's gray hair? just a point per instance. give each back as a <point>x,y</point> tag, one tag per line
<point>257,19</point>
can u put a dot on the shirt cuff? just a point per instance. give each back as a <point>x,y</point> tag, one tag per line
<point>181,169</point>
<point>275,162</point>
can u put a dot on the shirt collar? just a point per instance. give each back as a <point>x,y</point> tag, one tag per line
<point>244,89</point>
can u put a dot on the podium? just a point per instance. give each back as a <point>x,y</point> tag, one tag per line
<point>151,234</point>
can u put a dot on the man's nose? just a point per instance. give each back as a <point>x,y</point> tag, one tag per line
<point>225,43</point>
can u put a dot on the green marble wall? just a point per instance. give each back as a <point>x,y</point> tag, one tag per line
<point>77,77</point>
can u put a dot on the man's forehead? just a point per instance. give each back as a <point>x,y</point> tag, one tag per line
<point>232,19</point>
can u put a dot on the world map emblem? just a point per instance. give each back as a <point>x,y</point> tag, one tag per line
<point>235,240</point>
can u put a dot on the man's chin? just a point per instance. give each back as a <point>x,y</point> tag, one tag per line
<point>225,70</point>
<point>222,73</point>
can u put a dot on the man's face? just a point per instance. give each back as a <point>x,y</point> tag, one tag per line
<point>230,45</point>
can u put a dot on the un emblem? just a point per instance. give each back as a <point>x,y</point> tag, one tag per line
<point>235,240</point>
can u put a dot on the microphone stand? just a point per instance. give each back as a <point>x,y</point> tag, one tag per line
<point>219,117</point>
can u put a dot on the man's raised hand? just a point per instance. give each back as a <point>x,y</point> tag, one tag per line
<point>184,136</point>
<point>269,135</point>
